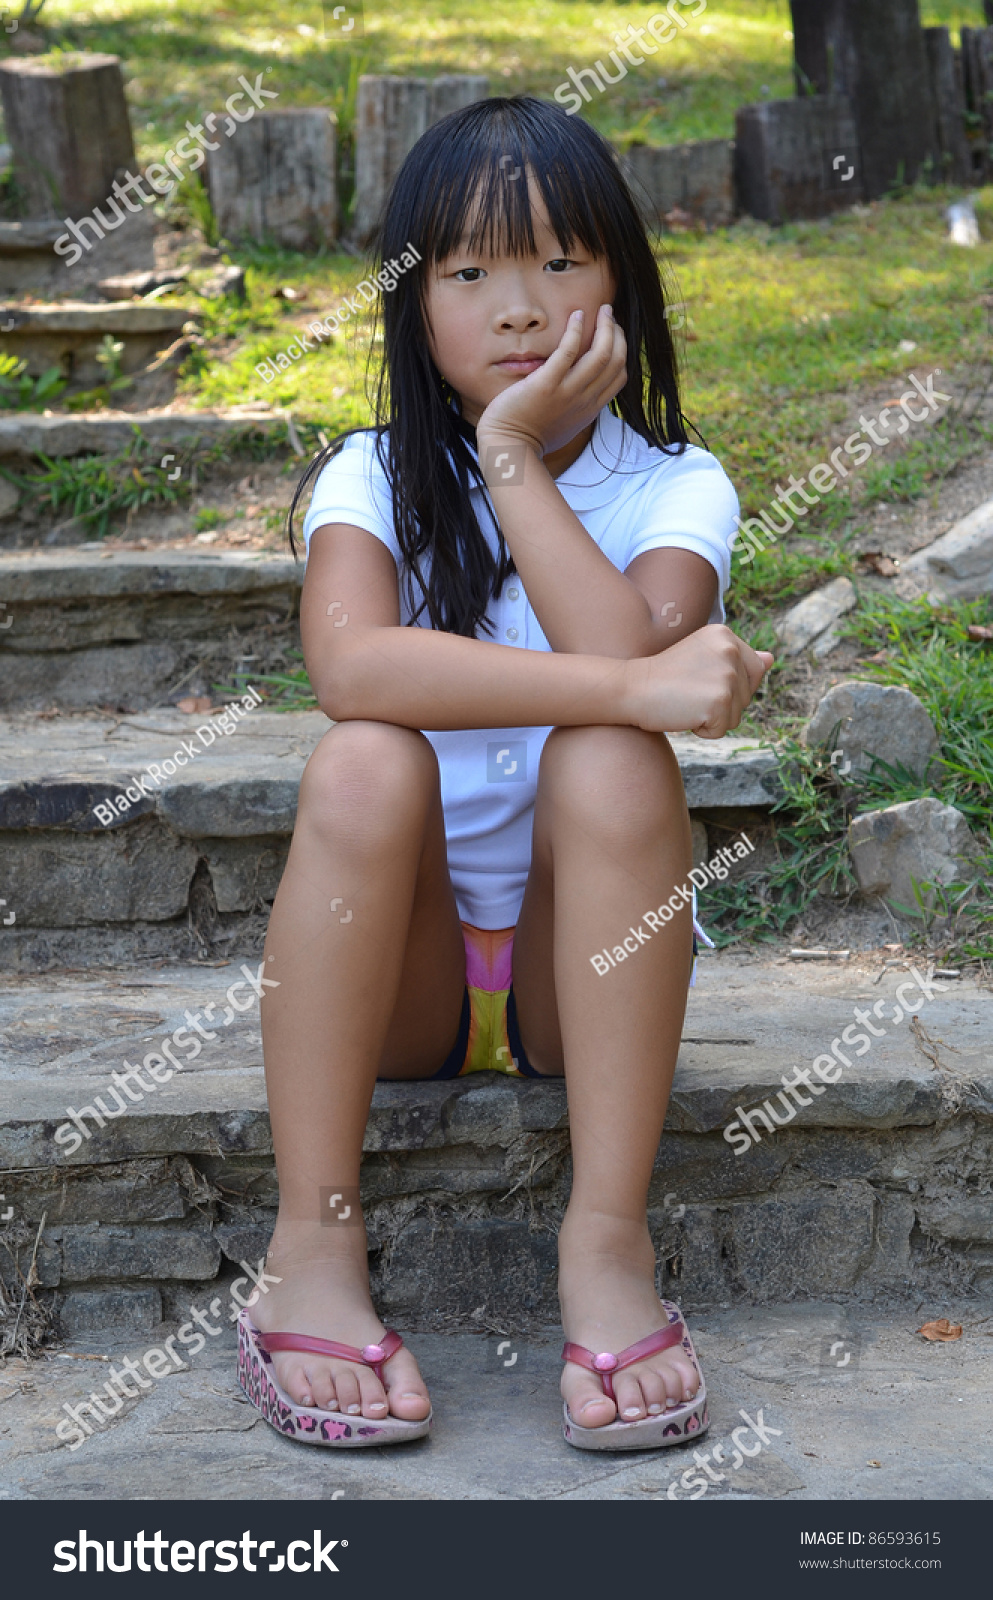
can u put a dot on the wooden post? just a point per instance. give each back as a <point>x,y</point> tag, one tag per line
<point>796,158</point>
<point>977,76</point>
<point>948,107</point>
<point>695,178</point>
<point>874,54</point>
<point>390,116</point>
<point>275,178</point>
<point>67,123</point>
<point>452,91</point>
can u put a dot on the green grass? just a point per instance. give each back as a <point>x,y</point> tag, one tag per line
<point>929,651</point>
<point>184,56</point>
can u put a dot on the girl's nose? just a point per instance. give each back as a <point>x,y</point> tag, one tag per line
<point>520,318</point>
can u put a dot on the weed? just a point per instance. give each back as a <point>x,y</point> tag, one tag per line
<point>811,855</point>
<point>19,392</point>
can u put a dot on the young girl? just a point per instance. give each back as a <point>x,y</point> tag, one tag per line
<point>525,558</point>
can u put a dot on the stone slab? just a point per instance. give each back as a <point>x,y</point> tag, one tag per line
<point>243,784</point>
<point>748,1024</point>
<point>54,771</point>
<point>814,615</point>
<point>29,577</point>
<point>959,565</point>
<point>497,1431</point>
<point>93,320</point>
<point>30,434</point>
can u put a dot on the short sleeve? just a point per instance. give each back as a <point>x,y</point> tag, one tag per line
<point>690,504</point>
<point>353,488</point>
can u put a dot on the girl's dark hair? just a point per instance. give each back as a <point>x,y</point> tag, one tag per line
<point>469,175</point>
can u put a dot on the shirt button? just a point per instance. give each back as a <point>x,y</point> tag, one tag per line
<point>511,633</point>
<point>513,594</point>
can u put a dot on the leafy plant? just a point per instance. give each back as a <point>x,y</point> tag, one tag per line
<point>930,651</point>
<point>19,392</point>
<point>109,357</point>
<point>811,854</point>
<point>288,691</point>
<point>92,489</point>
<point>206,519</point>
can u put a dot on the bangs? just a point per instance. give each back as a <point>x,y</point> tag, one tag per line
<point>480,183</point>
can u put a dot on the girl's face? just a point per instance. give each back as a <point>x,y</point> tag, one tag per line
<point>492,320</point>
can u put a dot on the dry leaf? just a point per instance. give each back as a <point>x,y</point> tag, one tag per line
<point>978,631</point>
<point>941,1331</point>
<point>194,703</point>
<point>874,1463</point>
<point>877,561</point>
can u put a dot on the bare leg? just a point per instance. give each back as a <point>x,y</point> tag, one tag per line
<point>611,841</point>
<point>381,992</point>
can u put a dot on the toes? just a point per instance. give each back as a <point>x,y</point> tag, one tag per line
<point>631,1403</point>
<point>653,1389</point>
<point>588,1405</point>
<point>296,1381</point>
<point>322,1387</point>
<point>372,1395</point>
<point>347,1388</point>
<point>408,1399</point>
<point>681,1381</point>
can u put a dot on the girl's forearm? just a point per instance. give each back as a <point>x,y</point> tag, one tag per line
<point>582,601</point>
<point>417,678</point>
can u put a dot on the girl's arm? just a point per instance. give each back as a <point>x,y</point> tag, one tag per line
<point>364,665</point>
<point>581,600</point>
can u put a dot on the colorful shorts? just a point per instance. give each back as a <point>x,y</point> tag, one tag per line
<point>489,1039</point>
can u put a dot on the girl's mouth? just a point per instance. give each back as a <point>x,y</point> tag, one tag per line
<point>521,364</point>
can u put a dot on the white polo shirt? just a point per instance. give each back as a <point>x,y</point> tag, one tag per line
<point>630,497</point>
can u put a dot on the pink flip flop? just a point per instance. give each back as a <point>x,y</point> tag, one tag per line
<point>312,1424</point>
<point>673,1426</point>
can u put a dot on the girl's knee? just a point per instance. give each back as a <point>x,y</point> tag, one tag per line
<point>364,776</point>
<point>622,778</point>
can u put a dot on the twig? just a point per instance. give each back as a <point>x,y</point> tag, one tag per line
<point>27,1281</point>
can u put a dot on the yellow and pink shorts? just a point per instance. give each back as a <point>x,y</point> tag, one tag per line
<point>489,1039</point>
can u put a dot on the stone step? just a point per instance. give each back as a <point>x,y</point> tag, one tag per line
<point>27,258</point>
<point>69,335</point>
<point>97,627</point>
<point>84,883</point>
<point>875,1185</point>
<point>29,433</point>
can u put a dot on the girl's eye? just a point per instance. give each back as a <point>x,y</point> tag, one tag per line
<point>461,278</point>
<point>560,264</point>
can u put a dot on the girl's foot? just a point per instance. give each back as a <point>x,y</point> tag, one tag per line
<point>608,1299</point>
<point>324,1292</point>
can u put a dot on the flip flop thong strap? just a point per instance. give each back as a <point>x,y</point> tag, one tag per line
<point>663,1339</point>
<point>389,1344</point>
